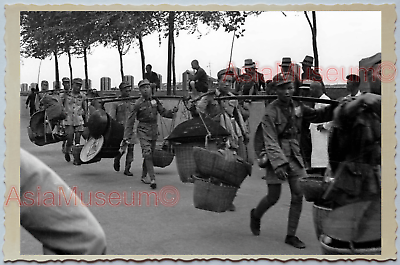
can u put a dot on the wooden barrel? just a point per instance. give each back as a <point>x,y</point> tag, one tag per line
<point>40,133</point>
<point>319,214</point>
<point>354,228</point>
<point>337,247</point>
<point>112,138</point>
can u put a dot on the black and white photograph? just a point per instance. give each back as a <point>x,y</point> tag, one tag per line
<point>153,132</point>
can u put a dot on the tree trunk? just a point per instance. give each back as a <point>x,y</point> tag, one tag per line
<point>142,54</point>
<point>315,41</point>
<point>86,68</point>
<point>313,27</point>
<point>121,64</point>
<point>70,65</point>
<point>173,66</point>
<point>170,35</point>
<point>57,71</point>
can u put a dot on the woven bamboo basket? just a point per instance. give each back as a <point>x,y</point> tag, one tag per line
<point>313,187</point>
<point>211,197</point>
<point>162,156</point>
<point>214,163</point>
<point>185,161</point>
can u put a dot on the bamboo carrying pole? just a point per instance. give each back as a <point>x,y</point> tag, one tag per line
<point>242,97</point>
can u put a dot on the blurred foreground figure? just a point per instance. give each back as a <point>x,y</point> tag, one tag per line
<point>354,224</point>
<point>355,142</point>
<point>64,227</point>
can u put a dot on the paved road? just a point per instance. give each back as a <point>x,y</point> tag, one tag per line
<point>177,230</point>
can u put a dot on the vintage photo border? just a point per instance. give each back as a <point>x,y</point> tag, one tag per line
<point>11,245</point>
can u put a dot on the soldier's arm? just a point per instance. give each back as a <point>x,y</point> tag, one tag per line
<point>324,114</point>
<point>85,109</point>
<point>130,123</point>
<point>164,112</point>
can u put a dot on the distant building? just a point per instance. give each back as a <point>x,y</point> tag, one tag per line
<point>105,83</point>
<point>89,84</point>
<point>129,79</point>
<point>24,87</point>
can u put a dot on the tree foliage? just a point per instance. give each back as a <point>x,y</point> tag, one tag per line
<point>52,33</point>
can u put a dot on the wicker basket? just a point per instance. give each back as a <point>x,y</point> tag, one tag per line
<point>313,188</point>
<point>185,161</point>
<point>211,197</point>
<point>162,157</point>
<point>214,163</point>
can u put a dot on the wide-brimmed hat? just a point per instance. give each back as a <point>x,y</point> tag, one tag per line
<point>308,60</point>
<point>143,82</point>
<point>65,79</point>
<point>248,63</point>
<point>124,84</point>
<point>286,61</point>
<point>77,80</point>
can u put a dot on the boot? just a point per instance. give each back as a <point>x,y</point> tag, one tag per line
<point>254,224</point>
<point>127,172</point>
<point>153,184</point>
<point>116,164</point>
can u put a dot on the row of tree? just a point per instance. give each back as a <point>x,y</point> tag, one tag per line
<point>50,34</point>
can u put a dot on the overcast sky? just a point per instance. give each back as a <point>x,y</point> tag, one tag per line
<point>343,38</point>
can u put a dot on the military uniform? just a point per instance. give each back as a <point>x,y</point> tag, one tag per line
<point>281,131</point>
<point>75,107</point>
<point>251,83</point>
<point>227,113</point>
<point>120,112</point>
<point>146,112</point>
